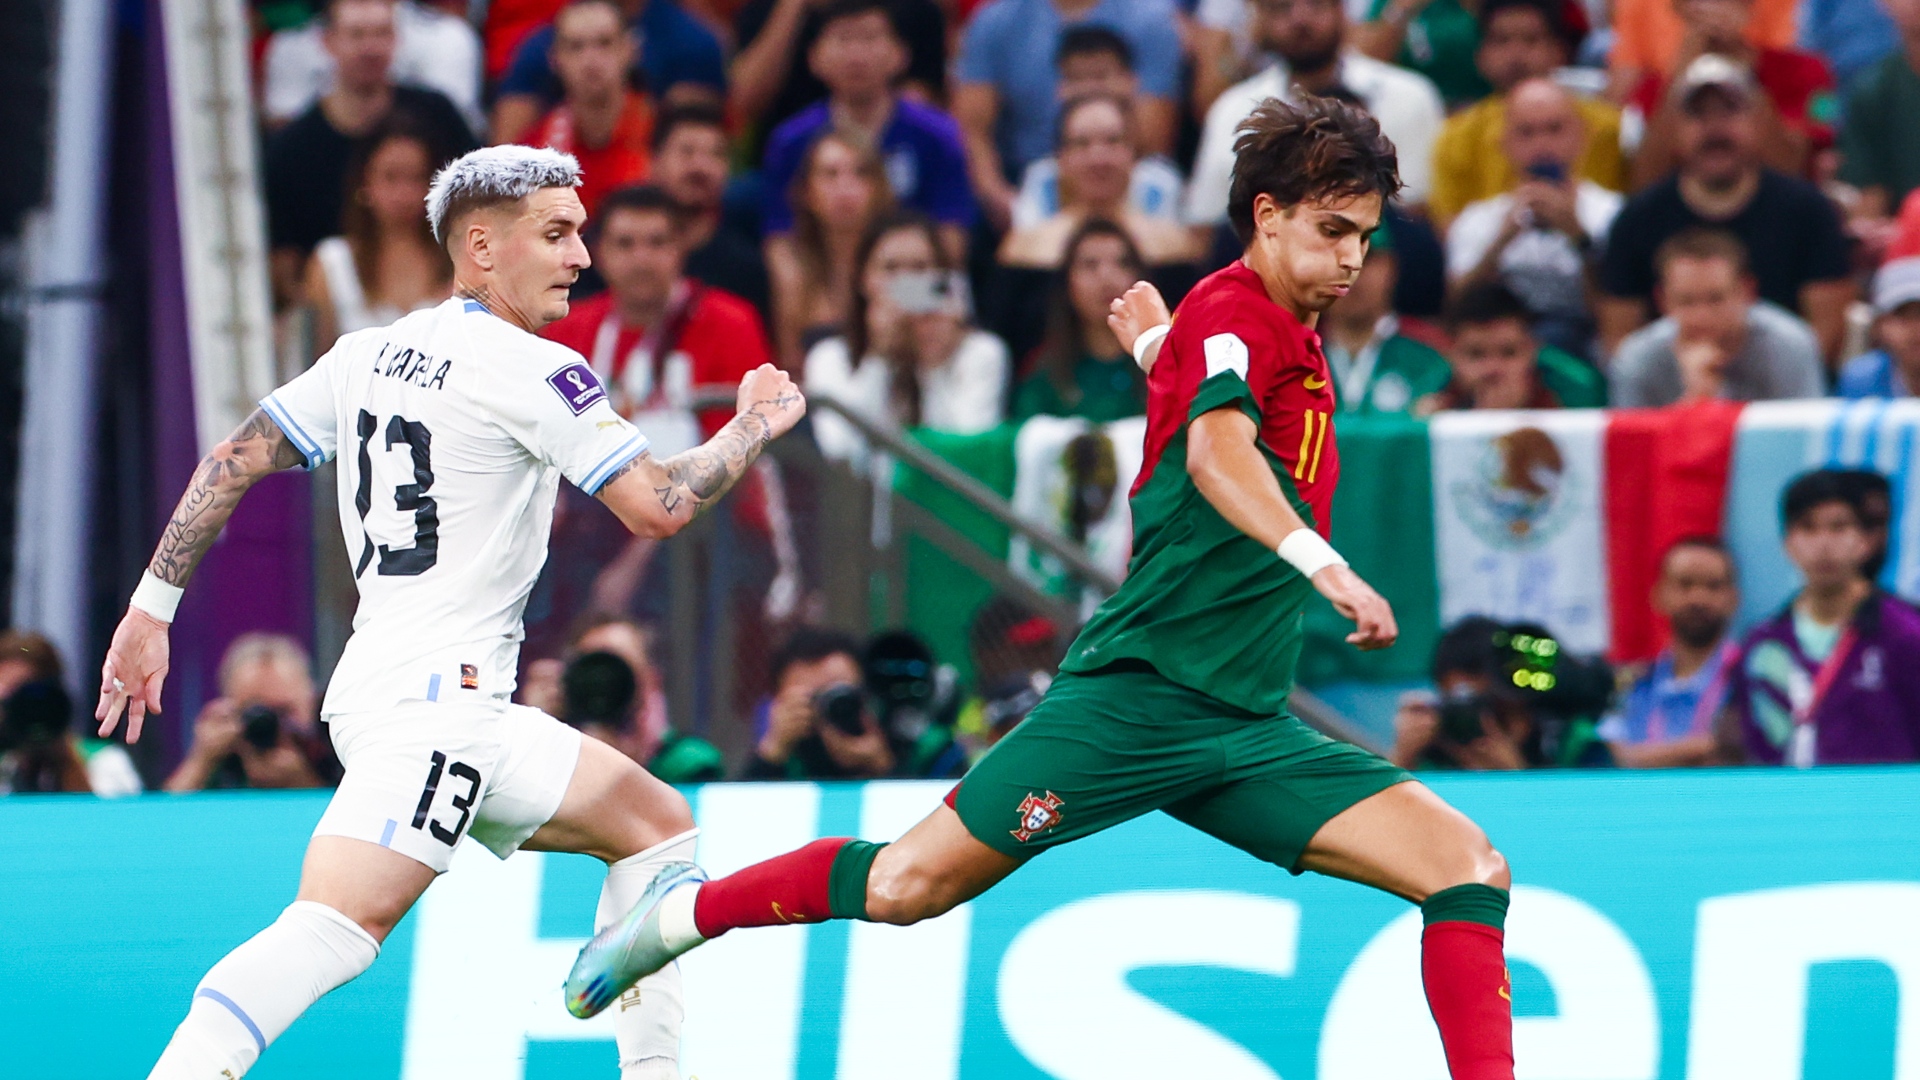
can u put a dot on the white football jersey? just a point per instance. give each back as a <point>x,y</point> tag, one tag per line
<point>453,428</point>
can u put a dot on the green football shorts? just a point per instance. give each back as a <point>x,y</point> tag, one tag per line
<point>1107,747</point>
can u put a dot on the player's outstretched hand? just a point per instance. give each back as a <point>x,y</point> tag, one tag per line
<point>772,394</point>
<point>1138,309</point>
<point>1373,625</point>
<point>131,678</point>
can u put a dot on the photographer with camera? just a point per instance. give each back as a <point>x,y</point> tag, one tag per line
<point>610,689</point>
<point>38,748</point>
<point>843,712</point>
<point>263,731</point>
<point>1508,698</point>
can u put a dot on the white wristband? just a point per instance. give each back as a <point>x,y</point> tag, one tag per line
<point>1308,553</point>
<point>1147,339</point>
<point>156,597</point>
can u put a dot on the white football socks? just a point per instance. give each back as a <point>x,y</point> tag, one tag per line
<point>646,1019</point>
<point>258,990</point>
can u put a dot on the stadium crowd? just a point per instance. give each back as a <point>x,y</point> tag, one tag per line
<point>923,208</point>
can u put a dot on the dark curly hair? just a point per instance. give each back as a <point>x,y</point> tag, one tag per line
<point>1315,148</point>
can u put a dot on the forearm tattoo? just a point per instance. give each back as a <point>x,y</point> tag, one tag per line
<point>697,478</point>
<point>251,452</point>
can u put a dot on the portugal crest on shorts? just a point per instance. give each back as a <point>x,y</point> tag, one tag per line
<point>1038,813</point>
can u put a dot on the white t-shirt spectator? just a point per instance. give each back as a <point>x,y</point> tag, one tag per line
<point>1544,268</point>
<point>964,396</point>
<point>432,49</point>
<point>1154,191</point>
<point>1231,16</point>
<point>1406,104</point>
<point>1780,360</point>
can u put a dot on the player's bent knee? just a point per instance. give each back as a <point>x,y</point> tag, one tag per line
<point>900,894</point>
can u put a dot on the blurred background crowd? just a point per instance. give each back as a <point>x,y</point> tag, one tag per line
<point>923,207</point>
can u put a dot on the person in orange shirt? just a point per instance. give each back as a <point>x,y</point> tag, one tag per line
<point>601,119</point>
<point>1648,37</point>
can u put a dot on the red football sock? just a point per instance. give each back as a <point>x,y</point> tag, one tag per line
<point>1465,970</point>
<point>790,888</point>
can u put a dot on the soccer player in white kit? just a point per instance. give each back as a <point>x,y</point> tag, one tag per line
<point>453,427</point>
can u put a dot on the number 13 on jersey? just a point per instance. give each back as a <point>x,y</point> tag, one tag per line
<point>406,561</point>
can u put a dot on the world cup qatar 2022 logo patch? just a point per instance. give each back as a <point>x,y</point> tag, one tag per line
<point>1038,814</point>
<point>577,386</point>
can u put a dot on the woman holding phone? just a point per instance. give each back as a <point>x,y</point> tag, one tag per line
<point>910,356</point>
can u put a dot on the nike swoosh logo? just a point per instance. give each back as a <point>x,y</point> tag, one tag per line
<point>1315,382</point>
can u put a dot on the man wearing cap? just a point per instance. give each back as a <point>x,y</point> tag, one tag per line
<point>1796,247</point>
<point>1893,369</point>
<point>1797,86</point>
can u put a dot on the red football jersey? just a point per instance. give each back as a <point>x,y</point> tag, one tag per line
<point>1231,342</point>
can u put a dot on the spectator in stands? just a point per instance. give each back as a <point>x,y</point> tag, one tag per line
<point>1016,654</point>
<point>39,751</point>
<point>690,164</point>
<point>771,79</point>
<point>1004,92</point>
<point>305,163</point>
<point>385,262</point>
<point>1098,154</point>
<point>1094,60</point>
<point>817,668</point>
<point>600,119</point>
<point>1377,368</point>
<point>433,48</point>
<point>1716,339</point>
<point>1893,369</point>
<point>1543,238</point>
<point>1795,243</point>
<point>263,731</point>
<point>909,357</point>
<point>1479,721</point>
<point>1080,369</point>
<point>1650,36</point>
<point>1665,718</point>
<point>1880,143</point>
<point>1853,36</point>
<point>671,351</point>
<point>679,59</point>
<point>1307,39</point>
<point>1793,100</point>
<point>1520,41</point>
<point>838,192</point>
<point>1834,678</point>
<point>624,704</point>
<point>1498,363</point>
<point>1437,38</point>
<point>859,56</point>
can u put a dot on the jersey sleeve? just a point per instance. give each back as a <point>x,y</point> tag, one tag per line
<point>307,409</point>
<point>553,405</point>
<point>1233,359</point>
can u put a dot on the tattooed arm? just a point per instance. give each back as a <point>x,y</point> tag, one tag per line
<point>137,661</point>
<point>257,449</point>
<point>657,497</point>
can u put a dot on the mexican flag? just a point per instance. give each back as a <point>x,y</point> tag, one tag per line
<point>1558,517</point>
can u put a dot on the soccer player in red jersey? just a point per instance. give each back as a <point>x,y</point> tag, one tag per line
<point>1173,698</point>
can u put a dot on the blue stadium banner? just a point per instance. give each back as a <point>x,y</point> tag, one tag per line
<point>1731,925</point>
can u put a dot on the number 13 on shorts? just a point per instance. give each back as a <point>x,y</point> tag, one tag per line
<point>459,772</point>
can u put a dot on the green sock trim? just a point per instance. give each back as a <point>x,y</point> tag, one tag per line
<point>847,881</point>
<point>1481,904</point>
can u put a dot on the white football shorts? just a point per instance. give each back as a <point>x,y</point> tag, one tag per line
<point>425,775</point>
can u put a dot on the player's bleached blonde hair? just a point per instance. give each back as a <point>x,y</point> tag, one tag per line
<point>493,175</point>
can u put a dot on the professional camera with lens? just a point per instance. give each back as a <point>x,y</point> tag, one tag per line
<point>1518,667</point>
